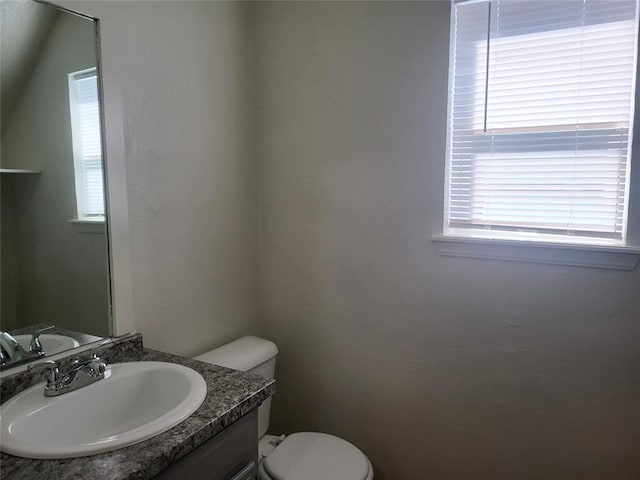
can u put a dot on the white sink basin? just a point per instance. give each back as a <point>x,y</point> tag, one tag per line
<point>51,344</point>
<point>134,402</point>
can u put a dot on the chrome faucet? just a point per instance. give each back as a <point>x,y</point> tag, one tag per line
<point>12,353</point>
<point>5,358</point>
<point>35,346</point>
<point>80,374</point>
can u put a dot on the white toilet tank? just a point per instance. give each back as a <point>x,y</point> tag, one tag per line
<point>248,354</point>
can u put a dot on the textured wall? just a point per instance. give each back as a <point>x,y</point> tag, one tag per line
<point>438,368</point>
<point>24,28</point>
<point>185,73</point>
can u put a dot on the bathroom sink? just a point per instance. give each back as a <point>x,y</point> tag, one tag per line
<point>51,344</point>
<point>134,402</point>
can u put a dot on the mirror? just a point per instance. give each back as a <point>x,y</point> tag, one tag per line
<point>54,252</point>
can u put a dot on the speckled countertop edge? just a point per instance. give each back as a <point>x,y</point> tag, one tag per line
<point>230,395</point>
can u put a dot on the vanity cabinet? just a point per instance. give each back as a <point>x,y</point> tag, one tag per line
<point>230,455</point>
<point>218,442</point>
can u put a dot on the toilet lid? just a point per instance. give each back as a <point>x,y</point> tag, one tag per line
<point>316,456</point>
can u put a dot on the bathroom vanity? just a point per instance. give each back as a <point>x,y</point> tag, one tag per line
<point>217,442</point>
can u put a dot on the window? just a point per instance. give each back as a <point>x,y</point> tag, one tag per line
<point>541,103</point>
<point>87,147</point>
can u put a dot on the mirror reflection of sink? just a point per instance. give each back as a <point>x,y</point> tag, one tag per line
<point>51,344</point>
<point>134,402</point>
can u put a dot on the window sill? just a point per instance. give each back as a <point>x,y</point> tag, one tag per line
<point>576,255</point>
<point>88,226</point>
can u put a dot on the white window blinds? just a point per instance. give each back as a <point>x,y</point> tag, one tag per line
<point>87,146</point>
<point>540,116</point>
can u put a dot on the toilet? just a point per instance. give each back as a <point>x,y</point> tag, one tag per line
<point>299,456</point>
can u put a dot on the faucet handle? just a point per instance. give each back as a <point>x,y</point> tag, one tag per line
<point>93,352</point>
<point>106,341</point>
<point>49,369</point>
<point>35,346</point>
<point>93,357</point>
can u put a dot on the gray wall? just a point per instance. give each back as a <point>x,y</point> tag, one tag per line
<point>438,368</point>
<point>53,271</point>
<point>186,73</point>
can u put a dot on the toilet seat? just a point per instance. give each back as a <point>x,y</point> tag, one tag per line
<point>315,456</point>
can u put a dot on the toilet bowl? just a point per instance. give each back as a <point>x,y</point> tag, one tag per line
<point>299,456</point>
<point>315,456</point>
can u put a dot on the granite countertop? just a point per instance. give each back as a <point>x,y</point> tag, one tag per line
<point>230,395</point>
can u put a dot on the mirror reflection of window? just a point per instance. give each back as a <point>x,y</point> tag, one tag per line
<point>87,148</point>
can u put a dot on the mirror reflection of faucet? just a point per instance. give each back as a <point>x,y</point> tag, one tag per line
<point>35,345</point>
<point>12,353</point>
